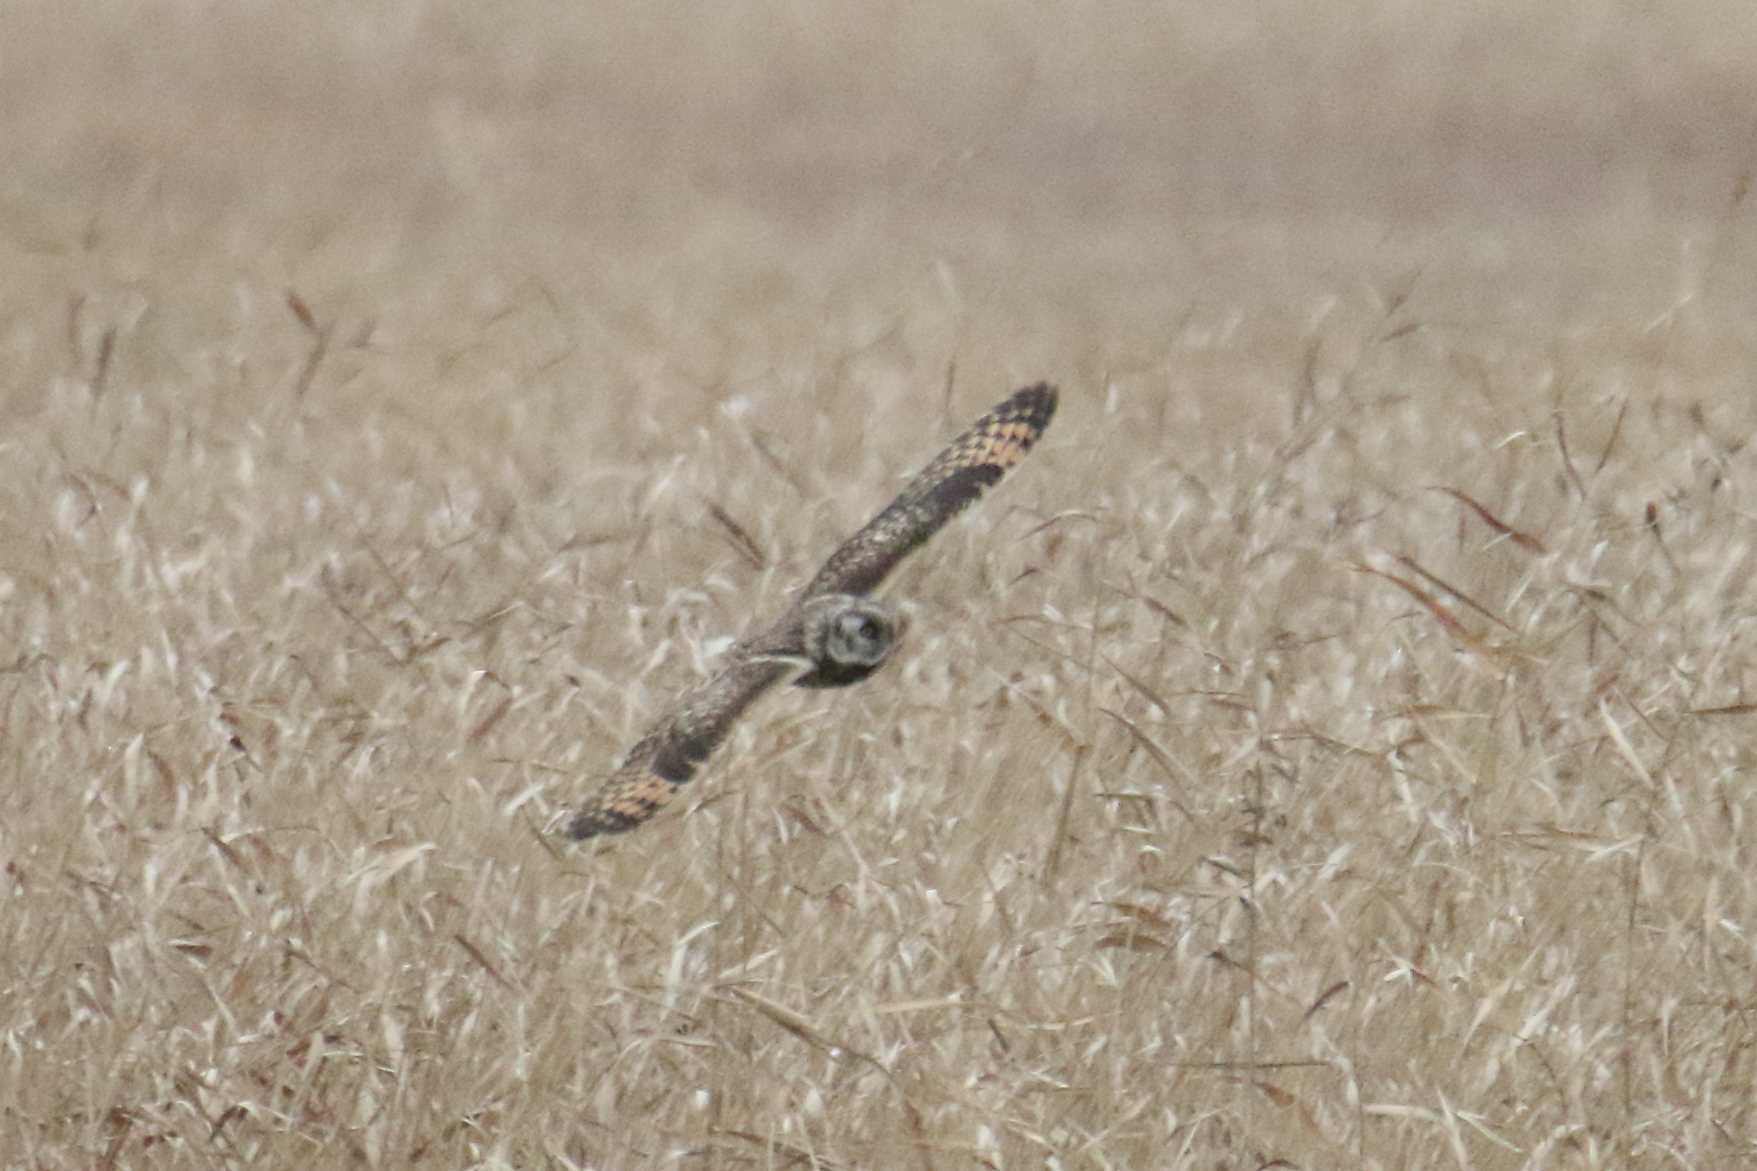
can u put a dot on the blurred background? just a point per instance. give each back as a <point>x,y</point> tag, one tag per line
<point>685,193</point>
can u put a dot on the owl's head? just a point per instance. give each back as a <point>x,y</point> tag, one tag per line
<point>847,638</point>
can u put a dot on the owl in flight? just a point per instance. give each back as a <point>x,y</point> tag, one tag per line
<point>834,634</point>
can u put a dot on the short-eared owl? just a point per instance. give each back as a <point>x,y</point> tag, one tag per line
<point>834,635</point>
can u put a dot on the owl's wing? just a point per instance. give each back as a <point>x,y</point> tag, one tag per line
<point>974,462</point>
<point>664,760</point>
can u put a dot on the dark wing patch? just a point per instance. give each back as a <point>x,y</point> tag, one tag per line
<point>974,462</point>
<point>665,759</point>
<point>632,795</point>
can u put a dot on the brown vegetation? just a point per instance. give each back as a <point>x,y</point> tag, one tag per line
<point>1334,748</point>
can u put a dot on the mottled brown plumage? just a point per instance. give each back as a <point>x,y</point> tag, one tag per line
<point>834,635</point>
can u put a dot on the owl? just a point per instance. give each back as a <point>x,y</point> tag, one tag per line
<point>834,635</point>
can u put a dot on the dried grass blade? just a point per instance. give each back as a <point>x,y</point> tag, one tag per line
<point>1454,591</point>
<point>1324,998</point>
<point>486,965</point>
<point>1147,693</point>
<point>1731,709</point>
<point>106,352</point>
<point>1159,757</point>
<point>789,1020</point>
<point>1626,749</point>
<point>742,541</point>
<point>1428,602</point>
<point>765,447</point>
<point>1523,539</point>
<point>1568,460</point>
<point>1604,456</point>
<point>492,718</point>
<point>319,346</point>
<point>1058,845</point>
<point>302,311</point>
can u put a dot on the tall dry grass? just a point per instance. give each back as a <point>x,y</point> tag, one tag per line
<point>1331,749</point>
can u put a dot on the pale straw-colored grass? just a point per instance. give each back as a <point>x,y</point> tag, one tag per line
<point>1330,749</point>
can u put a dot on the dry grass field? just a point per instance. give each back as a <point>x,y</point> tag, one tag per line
<point>1333,748</point>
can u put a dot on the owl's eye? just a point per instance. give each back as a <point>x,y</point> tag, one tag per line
<point>870,630</point>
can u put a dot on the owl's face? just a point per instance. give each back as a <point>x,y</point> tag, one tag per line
<point>847,638</point>
<point>860,636</point>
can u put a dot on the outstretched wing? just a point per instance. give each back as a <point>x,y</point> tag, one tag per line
<point>664,760</point>
<point>975,461</point>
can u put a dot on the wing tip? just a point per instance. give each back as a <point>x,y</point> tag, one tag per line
<point>627,800</point>
<point>593,823</point>
<point>1036,402</point>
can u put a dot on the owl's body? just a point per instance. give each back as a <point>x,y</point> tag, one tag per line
<point>834,635</point>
